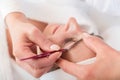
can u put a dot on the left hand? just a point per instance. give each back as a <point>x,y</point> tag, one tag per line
<point>24,38</point>
<point>106,66</point>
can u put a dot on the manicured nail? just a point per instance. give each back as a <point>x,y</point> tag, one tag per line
<point>54,47</point>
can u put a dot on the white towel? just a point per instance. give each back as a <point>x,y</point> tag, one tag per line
<point>5,65</point>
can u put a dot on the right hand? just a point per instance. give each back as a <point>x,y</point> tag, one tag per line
<point>25,36</point>
<point>105,67</point>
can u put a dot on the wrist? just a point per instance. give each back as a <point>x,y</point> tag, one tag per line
<point>9,42</point>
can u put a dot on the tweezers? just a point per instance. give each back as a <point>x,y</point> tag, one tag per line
<point>46,54</point>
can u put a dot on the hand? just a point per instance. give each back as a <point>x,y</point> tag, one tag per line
<point>105,67</point>
<point>25,36</point>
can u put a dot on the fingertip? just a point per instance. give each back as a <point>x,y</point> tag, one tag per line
<point>86,36</point>
<point>89,37</point>
<point>55,56</point>
<point>94,43</point>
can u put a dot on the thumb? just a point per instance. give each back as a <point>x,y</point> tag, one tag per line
<point>37,37</point>
<point>96,44</point>
<point>77,70</point>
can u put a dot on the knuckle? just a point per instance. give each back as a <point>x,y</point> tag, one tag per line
<point>85,77</point>
<point>88,75</point>
<point>37,73</point>
<point>33,31</point>
<point>46,43</point>
<point>65,68</point>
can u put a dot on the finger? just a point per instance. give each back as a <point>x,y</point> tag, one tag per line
<point>54,57</point>
<point>22,51</point>
<point>50,60</point>
<point>43,62</point>
<point>72,68</point>
<point>96,44</point>
<point>36,72</point>
<point>38,38</point>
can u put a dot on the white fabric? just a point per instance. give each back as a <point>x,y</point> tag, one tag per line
<point>61,75</point>
<point>59,11</point>
<point>8,6</point>
<point>5,65</point>
<point>111,7</point>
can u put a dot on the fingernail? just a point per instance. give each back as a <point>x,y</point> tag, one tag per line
<point>54,47</point>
